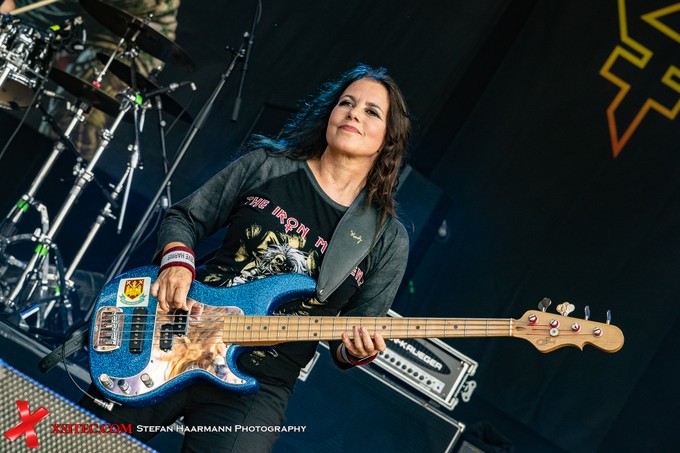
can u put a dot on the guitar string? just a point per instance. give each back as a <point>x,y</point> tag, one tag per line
<point>222,317</point>
<point>271,341</point>
<point>267,321</point>
<point>307,331</point>
<point>387,320</point>
<point>432,327</point>
<point>333,323</point>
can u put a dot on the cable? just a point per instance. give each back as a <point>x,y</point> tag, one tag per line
<point>106,405</point>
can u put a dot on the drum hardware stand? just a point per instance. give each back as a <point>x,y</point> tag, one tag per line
<point>9,260</point>
<point>105,213</point>
<point>132,50</point>
<point>84,176</point>
<point>8,225</point>
<point>44,301</point>
<point>135,160</point>
<point>123,256</point>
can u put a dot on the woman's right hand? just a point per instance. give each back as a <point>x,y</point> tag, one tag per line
<point>171,288</point>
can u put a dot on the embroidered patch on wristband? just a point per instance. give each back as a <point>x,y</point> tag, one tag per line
<point>179,256</point>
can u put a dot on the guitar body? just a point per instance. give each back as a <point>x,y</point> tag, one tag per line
<point>140,355</point>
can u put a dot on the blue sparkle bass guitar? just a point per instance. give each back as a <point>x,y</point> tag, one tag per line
<point>140,354</point>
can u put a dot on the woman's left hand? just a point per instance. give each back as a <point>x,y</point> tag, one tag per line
<point>362,345</point>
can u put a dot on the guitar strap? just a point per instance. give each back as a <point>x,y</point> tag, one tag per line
<point>353,238</point>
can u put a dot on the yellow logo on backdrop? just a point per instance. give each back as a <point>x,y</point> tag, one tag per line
<point>637,54</point>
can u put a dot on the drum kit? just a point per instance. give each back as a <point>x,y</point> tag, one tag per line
<point>26,64</point>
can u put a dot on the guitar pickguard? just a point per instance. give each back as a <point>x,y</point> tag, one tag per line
<point>199,349</point>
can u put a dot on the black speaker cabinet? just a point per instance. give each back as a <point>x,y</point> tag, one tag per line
<point>356,410</point>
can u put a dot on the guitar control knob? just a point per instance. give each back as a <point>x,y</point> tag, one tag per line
<point>597,332</point>
<point>106,381</point>
<point>554,323</point>
<point>123,386</point>
<point>576,327</point>
<point>146,379</point>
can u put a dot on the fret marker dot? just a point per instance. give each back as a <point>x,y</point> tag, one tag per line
<point>264,327</point>
<point>248,328</point>
<point>417,327</point>
<point>283,327</point>
<point>384,327</point>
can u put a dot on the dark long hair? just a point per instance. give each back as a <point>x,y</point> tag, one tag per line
<point>304,136</point>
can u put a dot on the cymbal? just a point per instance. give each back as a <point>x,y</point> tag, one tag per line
<point>124,24</point>
<point>85,91</point>
<point>122,71</point>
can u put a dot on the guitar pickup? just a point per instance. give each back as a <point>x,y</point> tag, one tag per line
<point>137,330</point>
<point>180,324</point>
<point>166,337</point>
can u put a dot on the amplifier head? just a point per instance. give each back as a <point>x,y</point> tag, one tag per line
<point>428,366</point>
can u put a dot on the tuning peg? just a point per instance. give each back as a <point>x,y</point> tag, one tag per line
<point>609,316</point>
<point>565,308</point>
<point>587,312</point>
<point>544,304</point>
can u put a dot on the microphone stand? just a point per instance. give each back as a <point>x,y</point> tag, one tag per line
<point>166,201</point>
<point>123,257</point>
<point>250,39</point>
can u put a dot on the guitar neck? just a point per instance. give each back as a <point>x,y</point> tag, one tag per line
<point>267,330</point>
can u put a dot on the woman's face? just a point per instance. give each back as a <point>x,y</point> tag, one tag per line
<point>358,123</point>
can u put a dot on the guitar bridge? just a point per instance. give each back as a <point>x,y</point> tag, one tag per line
<point>108,329</point>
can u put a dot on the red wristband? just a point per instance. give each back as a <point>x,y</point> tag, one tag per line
<point>352,359</point>
<point>179,256</point>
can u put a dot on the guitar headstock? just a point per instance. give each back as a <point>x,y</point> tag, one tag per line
<point>550,331</point>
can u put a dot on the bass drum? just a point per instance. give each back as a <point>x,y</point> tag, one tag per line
<point>25,55</point>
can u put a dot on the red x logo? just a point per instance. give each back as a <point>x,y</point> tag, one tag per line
<point>27,424</point>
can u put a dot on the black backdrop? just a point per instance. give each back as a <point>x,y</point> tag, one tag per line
<point>510,103</point>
